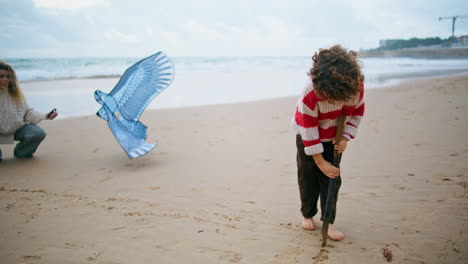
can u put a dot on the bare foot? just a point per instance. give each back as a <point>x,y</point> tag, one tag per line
<point>334,234</point>
<point>308,224</point>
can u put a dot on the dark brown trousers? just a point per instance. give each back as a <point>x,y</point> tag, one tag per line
<point>312,182</point>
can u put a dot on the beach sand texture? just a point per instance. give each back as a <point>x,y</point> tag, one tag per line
<point>221,186</point>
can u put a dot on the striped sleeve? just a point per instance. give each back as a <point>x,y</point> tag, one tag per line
<point>356,116</point>
<point>307,124</point>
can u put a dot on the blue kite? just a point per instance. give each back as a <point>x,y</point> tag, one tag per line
<point>123,106</point>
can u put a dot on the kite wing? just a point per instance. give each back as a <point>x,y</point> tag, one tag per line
<point>123,106</point>
<point>140,84</point>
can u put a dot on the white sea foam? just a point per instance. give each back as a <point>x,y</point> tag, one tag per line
<point>201,80</point>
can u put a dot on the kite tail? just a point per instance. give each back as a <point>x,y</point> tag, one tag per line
<point>134,145</point>
<point>140,150</point>
<point>102,113</point>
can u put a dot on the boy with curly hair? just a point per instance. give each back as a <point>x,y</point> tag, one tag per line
<point>335,88</point>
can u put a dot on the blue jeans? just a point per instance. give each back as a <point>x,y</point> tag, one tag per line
<point>29,137</point>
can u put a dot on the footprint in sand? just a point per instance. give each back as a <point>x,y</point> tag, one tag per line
<point>464,185</point>
<point>226,255</point>
<point>106,178</point>
<point>287,256</point>
<point>288,225</point>
<point>29,259</point>
<point>105,169</point>
<point>136,219</point>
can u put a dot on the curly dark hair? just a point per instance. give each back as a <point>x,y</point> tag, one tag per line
<point>336,74</point>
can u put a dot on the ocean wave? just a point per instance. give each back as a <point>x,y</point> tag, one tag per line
<point>45,69</point>
<point>111,76</point>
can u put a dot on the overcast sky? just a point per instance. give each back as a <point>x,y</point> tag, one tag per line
<point>75,28</point>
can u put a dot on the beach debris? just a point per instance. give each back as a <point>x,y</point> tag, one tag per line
<point>395,244</point>
<point>387,254</point>
<point>30,258</point>
<point>123,106</point>
<point>91,259</point>
<point>463,184</point>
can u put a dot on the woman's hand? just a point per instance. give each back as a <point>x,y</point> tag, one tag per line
<point>326,167</point>
<point>52,115</point>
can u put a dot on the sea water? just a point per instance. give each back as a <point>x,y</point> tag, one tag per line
<point>69,83</point>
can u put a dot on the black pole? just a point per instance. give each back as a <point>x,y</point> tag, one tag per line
<point>453,25</point>
<point>329,209</point>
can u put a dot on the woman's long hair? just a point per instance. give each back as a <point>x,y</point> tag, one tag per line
<point>13,87</point>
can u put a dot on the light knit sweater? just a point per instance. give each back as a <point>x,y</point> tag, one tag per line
<point>15,115</point>
<point>316,119</point>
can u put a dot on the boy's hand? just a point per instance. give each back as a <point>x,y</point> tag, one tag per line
<point>326,167</point>
<point>341,146</point>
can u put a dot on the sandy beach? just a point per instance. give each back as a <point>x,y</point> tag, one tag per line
<point>221,186</point>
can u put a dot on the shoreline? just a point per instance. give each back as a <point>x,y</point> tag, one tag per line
<point>388,82</point>
<point>418,53</point>
<point>83,99</point>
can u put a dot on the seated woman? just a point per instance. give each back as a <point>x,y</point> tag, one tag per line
<point>18,120</point>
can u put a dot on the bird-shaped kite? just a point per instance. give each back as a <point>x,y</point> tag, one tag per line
<point>123,106</point>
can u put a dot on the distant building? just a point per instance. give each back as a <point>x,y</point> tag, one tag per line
<point>463,40</point>
<point>385,43</point>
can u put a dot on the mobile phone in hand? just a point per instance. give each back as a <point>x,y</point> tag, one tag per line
<point>51,113</point>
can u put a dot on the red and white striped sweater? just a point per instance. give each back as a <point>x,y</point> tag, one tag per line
<point>316,119</point>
